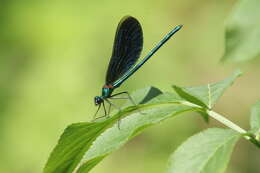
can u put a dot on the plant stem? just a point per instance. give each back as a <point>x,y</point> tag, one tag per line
<point>233,126</point>
<point>220,118</point>
<point>225,121</point>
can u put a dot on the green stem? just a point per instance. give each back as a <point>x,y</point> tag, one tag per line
<point>233,126</point>
<point>226,122</point>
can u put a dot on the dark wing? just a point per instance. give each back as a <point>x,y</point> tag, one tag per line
<point>127,48</point>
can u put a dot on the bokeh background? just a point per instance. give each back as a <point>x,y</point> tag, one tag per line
<point>53,59</point>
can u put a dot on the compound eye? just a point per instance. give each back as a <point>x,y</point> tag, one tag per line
<point>98,100</point>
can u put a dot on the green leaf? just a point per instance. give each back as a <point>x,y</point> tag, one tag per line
<point>162,107</point>
<point>206,95</point>
<point>72,145</point>
<point>243,32</point>
<point>77,138</point>
<point>205,152</point>
<point>144,95</point>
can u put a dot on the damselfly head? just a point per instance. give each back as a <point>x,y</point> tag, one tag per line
<point>98,100</point>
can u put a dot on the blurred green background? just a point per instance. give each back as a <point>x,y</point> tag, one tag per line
<point>53,59</point>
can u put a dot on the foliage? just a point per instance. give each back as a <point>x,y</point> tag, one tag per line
<point>83,145</point>
<point>243,32</point>
<point>208,151</point>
